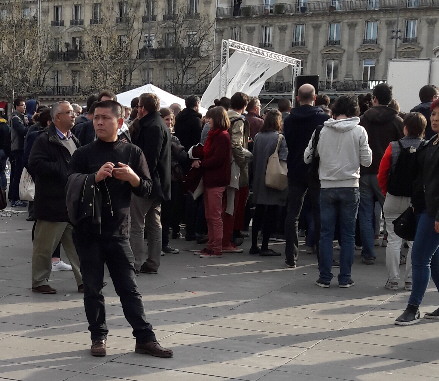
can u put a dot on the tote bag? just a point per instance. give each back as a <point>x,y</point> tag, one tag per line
<point>276,172</point>
<point>26,188</point>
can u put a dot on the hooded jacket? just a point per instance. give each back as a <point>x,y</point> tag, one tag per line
<point>188,127</point>
<point>342,147</point>
<point>424,109</point>
<point>298,129</point>
<point>383,125</point>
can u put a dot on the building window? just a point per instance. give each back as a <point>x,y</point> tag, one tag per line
<point>122,40</point>
<point>334,33</point>
<point>149,8</point>
<point>368,70</point>
<point>169,39</point>
<point>266,36</point>
<point>299,35</point>
<point>192,7</point>
<point>302,5</point>
<point>371,32</point>
<point>149,41</point>
<point>236,33</point>
<point>336,4</point>
<point>96,13</point>
<point>147,75</point>
<point>77,12</point>
<point>410,34</point>
<point>331,71</point>
<point>169,75</point>
<point>56,78</point>
<point>56,44</point>
<point>268,6</point>
<point>76,43</point>
<point>57,16</point>
<point>76,79</point>
<point>122,12</point>
<point>373,4</point>
<point>412,3</point>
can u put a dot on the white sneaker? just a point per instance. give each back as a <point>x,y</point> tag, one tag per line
<point>61,266</point>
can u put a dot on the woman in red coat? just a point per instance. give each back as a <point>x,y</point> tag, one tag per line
<point>216,164</point>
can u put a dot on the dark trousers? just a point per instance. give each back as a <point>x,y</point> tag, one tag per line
<point>265,220</point>
<point>194,216</point>
<point>94,252</point>
<point>172,211</point>
<point>17,165</point>
<point>296,195</point>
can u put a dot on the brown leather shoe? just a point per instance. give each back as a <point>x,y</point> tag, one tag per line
<point>44,289</point>
<point>153,348</point>
<point>145,269</point>
<point>98,348</point>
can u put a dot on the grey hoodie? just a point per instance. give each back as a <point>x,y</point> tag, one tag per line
<point>342,148</point>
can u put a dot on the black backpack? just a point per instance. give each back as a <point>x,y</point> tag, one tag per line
<point>313,168</point>
<point>403,174</point>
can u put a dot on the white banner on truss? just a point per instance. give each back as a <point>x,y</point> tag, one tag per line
<point>246,73</point>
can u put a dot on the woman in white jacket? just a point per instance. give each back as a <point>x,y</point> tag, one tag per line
<point>342,147</point>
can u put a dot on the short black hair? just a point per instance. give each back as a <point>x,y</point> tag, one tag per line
<point>346,105</point>
<point>427,93</point>
<point>134,102</point>
<point>90,100</point>
<point>107,93</point>
<point>238,101</point>
<point>383,93</point>
<point>18,100</point>
<point>116,107</point>
<point>191,101</point>
<point>284,104</point>
<point>415,123</point>
<point>322,99</point>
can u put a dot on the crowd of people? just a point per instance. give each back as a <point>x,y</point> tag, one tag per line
<point>109,179</point>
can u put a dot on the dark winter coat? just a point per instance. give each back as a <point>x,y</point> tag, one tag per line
<point>188,127</point>
<point>424,109</point>
<point>154,138</point>
<point>48,166</point>
<point>18,131</point>
<point>383,125</point>
<point>5,139</point>
<point>298,129</point>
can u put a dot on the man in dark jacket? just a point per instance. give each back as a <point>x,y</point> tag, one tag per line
<point>154,138</point>
<point>298,129</point>
<point>5,150</point>
<point>112,171</point>
<point>188,125</point>
<point>382,125</point>
<point>427,95</point>
<point>19,125</point>
<point>48,166</point>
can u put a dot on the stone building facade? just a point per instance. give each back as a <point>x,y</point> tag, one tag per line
<point>348,43</point>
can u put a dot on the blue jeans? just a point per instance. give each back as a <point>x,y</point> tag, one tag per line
<point>425,258</point>
<point>3,180</point>
<point>337,204</point>
<point>369,193</point>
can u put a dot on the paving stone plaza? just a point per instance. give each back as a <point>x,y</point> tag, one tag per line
<point>239,317</point>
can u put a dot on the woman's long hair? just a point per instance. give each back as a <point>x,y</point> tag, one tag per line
<point>272,122</point>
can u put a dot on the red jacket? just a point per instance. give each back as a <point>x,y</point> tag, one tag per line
<point>216,163</point>
<point>384,169</point>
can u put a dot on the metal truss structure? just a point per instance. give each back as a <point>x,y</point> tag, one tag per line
<point>226,45</point>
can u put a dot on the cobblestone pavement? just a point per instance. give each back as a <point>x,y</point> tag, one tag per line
<point>239,317</point>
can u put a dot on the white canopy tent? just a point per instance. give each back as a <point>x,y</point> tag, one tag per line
<point>166,99</point>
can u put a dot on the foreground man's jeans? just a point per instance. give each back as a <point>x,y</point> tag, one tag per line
<point>337,204</point>
<point>95,251</point>
<point>425,258</point>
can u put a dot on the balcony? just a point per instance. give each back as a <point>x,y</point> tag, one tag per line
<point>410,40</point>
<point>332,42</point>
<point>63,90</point>
<point>69,55</point>
<point>192,15</point>
<point>168,52</point>
<point>122,20</point>
<point>57,23</point>
<point>169,17</point>
<point>147,18</point>
<point>265,44</point>
<point>322,6</point>
<point>297,43</point>
<point>95,21</point>
<point>77,22</point>
<point>370,41</point>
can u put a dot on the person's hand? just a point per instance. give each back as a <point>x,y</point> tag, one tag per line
<point>124,172</point>
<point>196,164</point>
<point>436,226</point>
<point>104,172</point>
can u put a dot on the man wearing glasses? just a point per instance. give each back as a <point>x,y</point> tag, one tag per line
<point>48,164</point>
